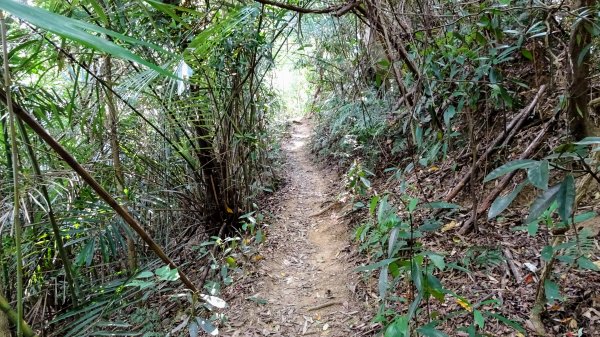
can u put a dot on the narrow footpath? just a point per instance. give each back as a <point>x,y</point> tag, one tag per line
<point>304,283</point>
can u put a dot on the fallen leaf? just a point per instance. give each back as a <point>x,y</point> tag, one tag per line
<point>464,304</point>
<point>573,324</point>
<point>528,279</point>
<point>449,226</point>
<point>532,267</point>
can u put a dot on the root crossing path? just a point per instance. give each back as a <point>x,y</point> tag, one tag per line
<point>304,283</point>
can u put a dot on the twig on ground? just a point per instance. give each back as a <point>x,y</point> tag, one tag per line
<point>511,264</point>
<point>324,305</point>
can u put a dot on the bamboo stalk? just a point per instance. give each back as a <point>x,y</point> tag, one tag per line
<point>71,281</point>
<point>15,171</point>
<point>13,317</point>
<point>102,193</point>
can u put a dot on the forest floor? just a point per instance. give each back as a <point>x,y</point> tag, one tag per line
<point>304,283</point>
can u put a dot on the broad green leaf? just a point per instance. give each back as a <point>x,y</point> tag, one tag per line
<point>552,291</point>
<point>509,167</point>
<point>418,135</point>
<point>359,232</point>
<point>383,282</point>
<point>145,274</point>
<point>585,216</point>
<point>478,318</point>
<point>495,76</point>
<point>542,203</point>
<point>448,114</point>
<point>429,330</point>
<point>383,210</point>
<point>394,269</point>
<point>501,203</point>
<point>434,287</point>
<point>527,54</point>
<point>365,182</point>
<point>471,330</point>
<point>76,30</point>
<point>392,240</point>
<point>538,175</point>
<point>566,198</point>
<point>585,263</point>
<point>412,205</point>
<point>507,321</point>
<point>407,235</point>
<point>140,283</point>
<point>376,265</point>
<point>584,52</point>
<point>86,254</point>
<point>170,10</point>
<point>207,326</point>
<point>167,274</point>
<point>416,275</point>
<point>193,329</point>
<point>98,10</point>
<point>566,245</point>
<point>568,259</point>
<point>412,308</point>
<point>441,204</point>
<point>373,204</point>
<point>456,266</point>
<point>547,253</point>
<point>398,328</point>
<point>259,237</point>
<point>214,301</point>
<point>533,228</point>
<point>588,141</point>
<point>430,225</point>
<point>437,260</point>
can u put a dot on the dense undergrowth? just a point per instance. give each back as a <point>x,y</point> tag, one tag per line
<point>138,135</point>
<point>141,139</point>
<point>438,137</point>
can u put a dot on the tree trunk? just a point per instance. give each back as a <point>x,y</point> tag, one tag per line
<point>116,157</point>
<point>578,74</point>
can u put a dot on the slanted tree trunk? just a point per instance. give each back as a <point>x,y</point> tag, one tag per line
<point>7,313</point>
<point>578,71</point>
<point>4,327</point>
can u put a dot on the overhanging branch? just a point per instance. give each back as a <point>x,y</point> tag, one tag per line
<point>337,10</point>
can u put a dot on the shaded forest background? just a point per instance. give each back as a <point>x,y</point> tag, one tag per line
<point>139,136</point>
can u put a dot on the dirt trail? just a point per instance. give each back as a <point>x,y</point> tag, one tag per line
<point>305,277</point>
